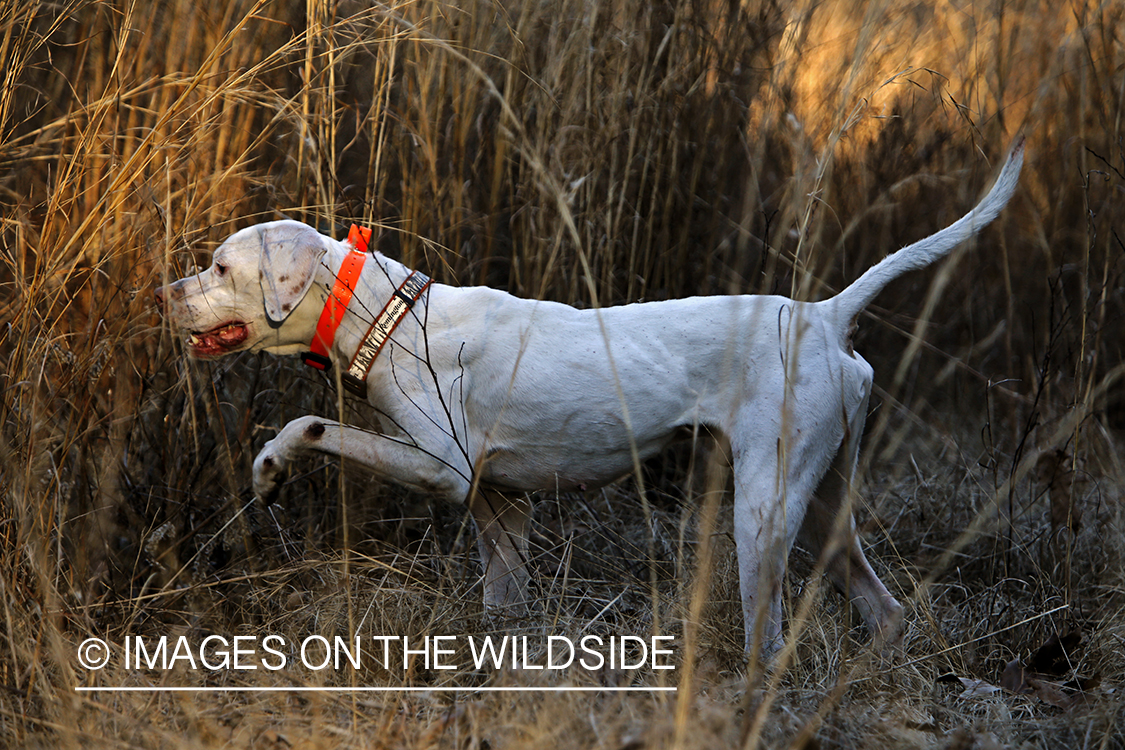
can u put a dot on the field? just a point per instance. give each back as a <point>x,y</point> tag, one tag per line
<point>593,152</point>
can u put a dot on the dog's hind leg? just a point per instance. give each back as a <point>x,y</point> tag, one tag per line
<point>833,541</point>
<point>771,494</point>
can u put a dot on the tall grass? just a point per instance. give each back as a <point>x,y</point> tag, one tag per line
<point>593,153</point>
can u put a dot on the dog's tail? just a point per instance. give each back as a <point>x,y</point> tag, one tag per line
<point>851,302</point>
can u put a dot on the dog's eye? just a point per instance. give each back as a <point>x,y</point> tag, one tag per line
<point>220,269</point>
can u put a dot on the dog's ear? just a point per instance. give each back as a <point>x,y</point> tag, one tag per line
<point>287,266</point>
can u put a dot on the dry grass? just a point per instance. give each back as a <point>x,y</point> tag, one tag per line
<point>593,153</point>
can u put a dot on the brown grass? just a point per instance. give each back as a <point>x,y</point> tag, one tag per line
<point>593,153</point>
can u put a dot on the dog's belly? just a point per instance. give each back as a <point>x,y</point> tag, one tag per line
<point>533,468</point>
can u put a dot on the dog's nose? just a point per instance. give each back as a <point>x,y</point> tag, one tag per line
<point>158,293</point>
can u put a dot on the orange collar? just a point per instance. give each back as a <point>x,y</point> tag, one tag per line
<point>400,303</point>
<point>337,302</point>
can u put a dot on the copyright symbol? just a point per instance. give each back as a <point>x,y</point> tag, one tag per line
<point>93,653</point>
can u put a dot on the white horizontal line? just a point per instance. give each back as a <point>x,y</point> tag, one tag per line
<point>443,689</point>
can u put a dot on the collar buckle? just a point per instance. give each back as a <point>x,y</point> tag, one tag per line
<point>317,361</point>
<point>354,385</point>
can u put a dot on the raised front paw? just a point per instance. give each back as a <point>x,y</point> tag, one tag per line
<point>269,473</point>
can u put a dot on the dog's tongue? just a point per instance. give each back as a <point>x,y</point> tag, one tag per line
<point>231,335</point>
<point>218,340</point>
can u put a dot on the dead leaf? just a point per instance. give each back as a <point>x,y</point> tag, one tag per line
<point>1051,693</point>
<point>1014,678</point>
<point>970,688</point>
<point>976,688</point>
<point>1055,657</point>
<point>1057,654</point>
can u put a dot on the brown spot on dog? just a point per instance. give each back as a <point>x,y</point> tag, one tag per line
<point>314,431</point>
<point>282,279</point>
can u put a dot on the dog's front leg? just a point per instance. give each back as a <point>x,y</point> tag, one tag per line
<point>502,530</point>
<point>389,457</point>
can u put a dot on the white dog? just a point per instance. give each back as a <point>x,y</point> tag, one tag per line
<point>485,397</point>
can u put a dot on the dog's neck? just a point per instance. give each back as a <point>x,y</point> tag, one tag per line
<point>377,284</point>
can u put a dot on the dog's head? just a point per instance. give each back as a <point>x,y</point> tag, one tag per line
<point>249,296</point>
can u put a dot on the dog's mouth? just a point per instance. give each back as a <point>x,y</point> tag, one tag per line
<point>219,340</point>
